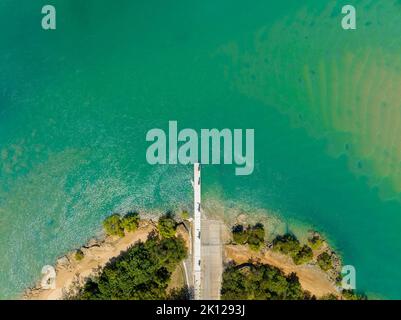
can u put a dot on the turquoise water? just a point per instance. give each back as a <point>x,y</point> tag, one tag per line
<point>76,103</point>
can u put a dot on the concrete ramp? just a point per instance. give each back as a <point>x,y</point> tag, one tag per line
<point>212,259</point>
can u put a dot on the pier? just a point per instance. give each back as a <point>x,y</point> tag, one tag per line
<point>207,248</point>
<point>196,237</point>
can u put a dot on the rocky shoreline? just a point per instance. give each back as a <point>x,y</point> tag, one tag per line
<point>96,253</point>
<point>326,281</point>
<point>73,269</point>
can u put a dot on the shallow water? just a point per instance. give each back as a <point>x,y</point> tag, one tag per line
<point>76,103</point>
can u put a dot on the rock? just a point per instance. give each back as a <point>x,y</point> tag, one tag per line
<point>241,219</point>
<point>63,262</point>
<point>92,243</point>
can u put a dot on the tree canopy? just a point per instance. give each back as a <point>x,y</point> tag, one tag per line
<point>260,282</point>
<point>289,244</point>
<point>254,236</point>
<point>130,221</point>
<point>324,261</point>
<point>115,225</point>
<point>141,273</point>
<point>315,242</point>
<point>304,255</point>
<point>112,225</point>
<point>167,226</point>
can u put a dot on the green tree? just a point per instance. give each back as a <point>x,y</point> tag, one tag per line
<point>141,273</point>
<point>113,226</point>
<point>286,244</point>
<point>130,221</point>
<point>289,244</point>
<point>179,294</point>
<point>240,235</point>
<point>304,255</point>
<point>315,242</point>
<point>260,282</point>
<point>324,261</point>
<point>256,236</point>
<point>167,226</point>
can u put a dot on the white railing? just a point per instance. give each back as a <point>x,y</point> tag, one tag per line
<point>197,232</point>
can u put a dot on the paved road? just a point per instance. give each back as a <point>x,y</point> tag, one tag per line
<point>212,259</point>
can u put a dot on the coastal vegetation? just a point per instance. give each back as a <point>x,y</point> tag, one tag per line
<point>288,244</point>
<point>327,261</point>
<point>345,295</point>
<point>112,226</point>
<point>260,282</point>
<point>324,261</point>
<point>142,272</point>
<point>315,241</point>
<point>184,215</point>
<point>79,255</point>
<point>353,295</point>
<point>130,221</point>
<point>167,226</point>
<point>304,255</point>
<point>254,236</point>
<point>115,225</point>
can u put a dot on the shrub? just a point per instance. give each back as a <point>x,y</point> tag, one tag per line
<point>286,244</point>
<point>324,261</point>
<point>304,255</point>
<point>256,236</point>
<point>329,296</point>
<point>260,282</point>
<point>130,221</point>
<point>184,215</point>
<point>167,226</point>
<point>113,226</point>
<point>240,235</point>
<point>179,294</point>
<point>79,255</point>
<point>315,242</point>
<point>352,295</point>
<point>290,245</point>
<point>253,236</point>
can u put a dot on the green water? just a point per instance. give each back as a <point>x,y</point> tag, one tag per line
<point>76,103</point>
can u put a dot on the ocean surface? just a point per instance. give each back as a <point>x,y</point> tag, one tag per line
<point>76,104</point>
